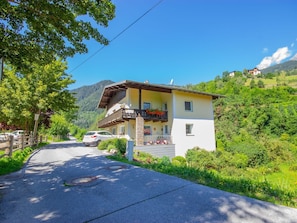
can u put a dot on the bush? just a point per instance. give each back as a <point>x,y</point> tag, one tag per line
<point>165,161</point>
<point>118,144</point>
<point>293,168</point>
<point>200,158</point>
<point>256,153</point>
<point>103,145</point>
<point>179,161</point>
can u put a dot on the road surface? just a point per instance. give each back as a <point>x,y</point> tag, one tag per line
<point>67,182</point>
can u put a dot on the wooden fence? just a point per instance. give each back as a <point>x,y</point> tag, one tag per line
<point>9,145</point>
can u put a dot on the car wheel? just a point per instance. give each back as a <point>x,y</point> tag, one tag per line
<point>97,143</point>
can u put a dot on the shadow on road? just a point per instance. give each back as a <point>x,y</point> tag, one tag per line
<point>87,187</point>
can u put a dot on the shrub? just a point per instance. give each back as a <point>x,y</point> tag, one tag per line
<point>103,145</point>
<point>293,167</point>
<point>256,153</point>
<point>165,161</point>
<point>200,158</point>
<point>120,145</point>
<point>179,161</point>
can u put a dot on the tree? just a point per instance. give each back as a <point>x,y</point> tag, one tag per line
<point>59,126</point>
<point>38,31</point>
<point>37,92</point>
<point>261,84</point>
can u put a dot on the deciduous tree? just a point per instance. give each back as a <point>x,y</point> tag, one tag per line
<point>41,30</point>
<point>36,92</point>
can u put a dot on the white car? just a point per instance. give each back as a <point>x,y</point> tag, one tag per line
<point>95,137</point>
<point>4,136</point>
<point>18,134</point>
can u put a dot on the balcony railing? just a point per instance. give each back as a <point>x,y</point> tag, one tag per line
<point>127,114</point>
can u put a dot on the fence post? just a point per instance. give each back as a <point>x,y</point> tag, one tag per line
<point>31,139</point>
<point>11,140</point>
<point>22,141</point>
<point>40,140</point>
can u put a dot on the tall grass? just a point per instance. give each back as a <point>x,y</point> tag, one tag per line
<point>259,188</point>
<point>16,162</point>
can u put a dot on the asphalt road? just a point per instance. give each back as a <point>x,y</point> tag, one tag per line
<point>67,182</point>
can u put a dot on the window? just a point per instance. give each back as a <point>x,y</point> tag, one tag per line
<point>188,106</point>
<point>165,107</point>
<point>122,130</point>
<point>189,128</point>
<point>146,105</point>
<point>166,132</point>
<point>114,132</point>
<point>147,130</point>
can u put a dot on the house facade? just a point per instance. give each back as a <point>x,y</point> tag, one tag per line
<point>255,71</point>
<point>156,116</point>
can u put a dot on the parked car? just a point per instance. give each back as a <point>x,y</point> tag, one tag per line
<point>18,134</point>
<point>95,137</point>
<point>4,136</point>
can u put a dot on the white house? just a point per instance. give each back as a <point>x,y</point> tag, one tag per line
<point>255,71</point>
<point>162,119</point>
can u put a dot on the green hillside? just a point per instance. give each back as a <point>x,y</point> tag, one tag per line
<point>87,100</point>
<point>286,66</point>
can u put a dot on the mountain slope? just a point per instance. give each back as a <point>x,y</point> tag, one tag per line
<point>88,96</point>
<point>286,66</point>
<point>87,100</point>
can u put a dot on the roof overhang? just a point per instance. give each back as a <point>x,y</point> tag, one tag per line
<point>112,89</point>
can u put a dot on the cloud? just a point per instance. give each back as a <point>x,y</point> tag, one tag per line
<point>294,57</point>
<point>292,44</point>
<point>265,50</point>
<point>278,56</point>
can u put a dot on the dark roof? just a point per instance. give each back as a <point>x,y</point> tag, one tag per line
<point>110,90</point>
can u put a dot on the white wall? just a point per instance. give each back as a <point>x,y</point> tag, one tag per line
<point>202,119</point>
<point>203,135</point>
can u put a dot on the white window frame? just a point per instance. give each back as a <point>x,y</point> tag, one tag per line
<point>122,130</point>
<point>189,129</point>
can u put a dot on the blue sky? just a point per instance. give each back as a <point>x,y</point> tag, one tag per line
<point>189,41</point>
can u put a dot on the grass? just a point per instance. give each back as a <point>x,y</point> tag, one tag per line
<point>273,82</point>
<point>277,188</point>
<point>16,162</point>
<point>285,178</point>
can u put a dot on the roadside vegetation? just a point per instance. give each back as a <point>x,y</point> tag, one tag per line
<point>18,159</point>
<point>263,183</point>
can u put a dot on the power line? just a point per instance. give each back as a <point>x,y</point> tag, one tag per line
<point>118,35</point>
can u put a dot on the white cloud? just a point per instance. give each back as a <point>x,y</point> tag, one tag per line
<point>265,50</point>
<point>278,56</point>
<point>294,57</point>
<point>292,44</point>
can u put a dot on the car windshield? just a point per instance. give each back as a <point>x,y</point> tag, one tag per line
<point>90,133</point>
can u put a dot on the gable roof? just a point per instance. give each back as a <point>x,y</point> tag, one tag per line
<point>110,90</point>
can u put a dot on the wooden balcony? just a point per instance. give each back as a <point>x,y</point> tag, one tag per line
<point>130,114</point>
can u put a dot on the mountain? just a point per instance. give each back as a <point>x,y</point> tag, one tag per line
<point>88,96</point>
<point>286,66</point>
<point>87,100</point>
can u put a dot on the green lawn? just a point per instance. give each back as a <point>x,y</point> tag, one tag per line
<point>269,83</point>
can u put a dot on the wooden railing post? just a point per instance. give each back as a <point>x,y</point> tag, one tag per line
<point>31,139</point>
<point>11,140</point>
<point>22,142</point>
